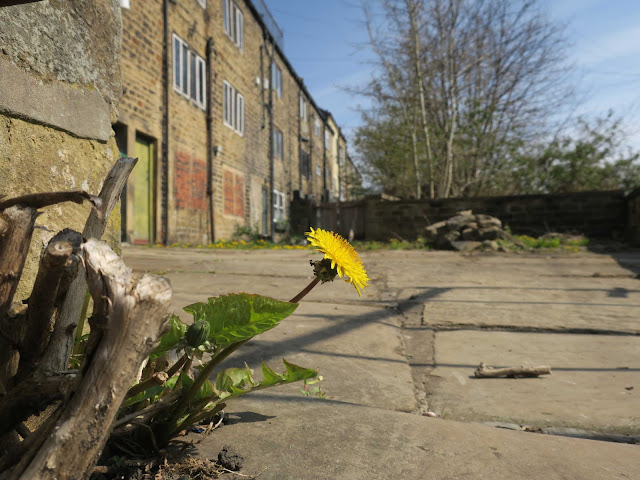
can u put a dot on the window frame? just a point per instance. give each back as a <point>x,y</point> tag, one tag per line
<point>305,164</point>
<point>317,126</point>
<point>303,108</point>
<point>276,79</point>
<point>189,72</point>
<point>278,144</point>
<point>233,22</point>
<point>232,108</point>
<point>279,211</point>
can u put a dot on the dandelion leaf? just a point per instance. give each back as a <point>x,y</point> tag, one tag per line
<point>238,381</point>
<point>239,316</point>
<point>168,341</point>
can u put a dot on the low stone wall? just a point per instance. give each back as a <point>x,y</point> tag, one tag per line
<point>604,215</point>
<point>594,214</point>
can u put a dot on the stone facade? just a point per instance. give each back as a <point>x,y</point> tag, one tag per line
<point>234,153</point>
<point>59,92</point>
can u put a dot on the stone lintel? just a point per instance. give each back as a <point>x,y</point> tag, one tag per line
<point>82,112</point>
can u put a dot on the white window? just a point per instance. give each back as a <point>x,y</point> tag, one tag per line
<point>189,73</point>
<point>278,148</point>
<point>278,206</point>
<point>125,3</point>
<point>318,171</point>
<point>303,109</point>
<point>326,139</point>
<point>233,108</point>
<point>317,127</point>
<point>276,79</point>
<point>232,20</point>
<point>203,3</point>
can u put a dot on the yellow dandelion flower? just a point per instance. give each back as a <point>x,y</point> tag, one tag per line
<point>342,255</point>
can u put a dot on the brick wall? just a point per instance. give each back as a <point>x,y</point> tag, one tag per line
<point>241,167</point>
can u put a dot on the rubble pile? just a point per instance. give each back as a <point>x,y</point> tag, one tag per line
<point>466,231</point>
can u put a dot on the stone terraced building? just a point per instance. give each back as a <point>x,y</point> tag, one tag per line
<point>225,130</point>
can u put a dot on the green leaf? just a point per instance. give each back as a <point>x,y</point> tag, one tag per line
<point>186,381</point>
<point>270,377</point>
<point>234,377</point>
<point>206,391</point>
<point>238,381</point>
<point>171,383</point>
<point>296,373</point>
<point>239,316</point>
<point>148,393</point>
<point>177,330</point>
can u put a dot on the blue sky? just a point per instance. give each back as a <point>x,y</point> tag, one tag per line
<point>324,41</point>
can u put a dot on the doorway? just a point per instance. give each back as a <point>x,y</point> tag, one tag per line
<point>142,179</point>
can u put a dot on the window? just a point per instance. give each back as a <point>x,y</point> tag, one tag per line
<point>326,139</point>
<point>232,19</point>
<point>277,144</point>
<point>233,188</point>
<point>189,73</point>
<point>317,127</point>
<point>303,109</point>
<point>276,79</point>
<point>125,3</point>
<point>203,3</point>
<point>233,108</point>
<point>305,164</point>
<point>278,206</point>
<point>318,171</point>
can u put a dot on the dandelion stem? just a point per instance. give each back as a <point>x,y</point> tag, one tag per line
<point>306,290</point>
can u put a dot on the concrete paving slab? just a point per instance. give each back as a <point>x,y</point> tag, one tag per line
<point>293,438</point>
<point>531,315</point>
<point>276,273</point>
<point>357,350</point>
<point>595,384</point>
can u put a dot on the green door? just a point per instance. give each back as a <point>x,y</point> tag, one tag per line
<point>265,211</point>
<point>142,177</point>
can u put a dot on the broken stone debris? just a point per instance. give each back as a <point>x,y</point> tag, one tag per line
<point>466,232</point>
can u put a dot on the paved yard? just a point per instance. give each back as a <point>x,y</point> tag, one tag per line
<point>446,313</point>
<point>411,344</point>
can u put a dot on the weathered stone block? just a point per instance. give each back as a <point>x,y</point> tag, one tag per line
<point>470,232</point>
<point>490,233</point>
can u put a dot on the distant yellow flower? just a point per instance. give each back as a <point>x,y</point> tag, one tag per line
<point>344,259</point>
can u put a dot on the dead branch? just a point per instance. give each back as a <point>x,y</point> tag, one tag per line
<point>41,305</point>
<point>62,340</point>
<point>136,318</point>
<point>14,246</point>
<point>4,226</point>
<point>40,200</point>
<point>31,397</point>
<point>512,372</point>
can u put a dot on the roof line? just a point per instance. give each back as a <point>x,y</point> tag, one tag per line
<point>284,58</point>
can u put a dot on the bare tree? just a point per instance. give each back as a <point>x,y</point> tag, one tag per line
<point>481,77</point>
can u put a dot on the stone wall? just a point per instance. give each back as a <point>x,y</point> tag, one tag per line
<point>594,214</point>
<point>59,92</point>
<point>240,164</point>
